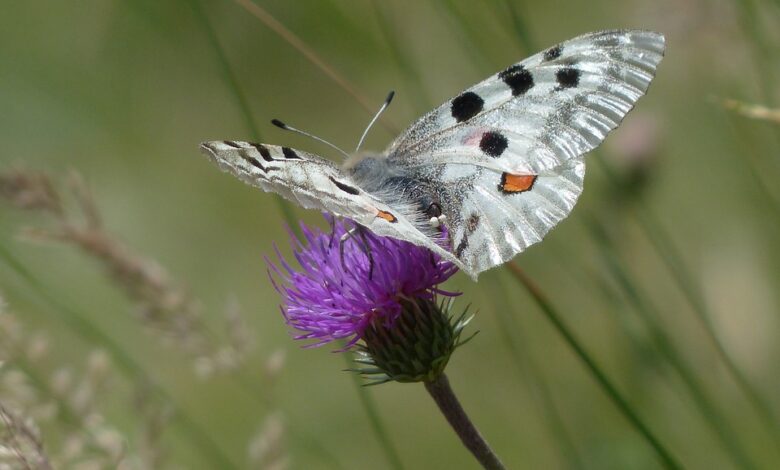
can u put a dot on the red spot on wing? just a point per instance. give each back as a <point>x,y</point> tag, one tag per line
<point>516,183</point>
<point>472,139</point>
<point>387,216</point>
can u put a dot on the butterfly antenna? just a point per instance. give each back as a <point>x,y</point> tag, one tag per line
<point>284,126</point>
<point>376,116</point>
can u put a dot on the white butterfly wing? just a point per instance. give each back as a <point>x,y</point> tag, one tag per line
<point>492,216</point>
<point>504,158</point>
<point>541,112</point>
<point>316,183</point>
<point>509,149</point>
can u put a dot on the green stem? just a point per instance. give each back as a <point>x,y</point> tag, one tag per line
<point>442,393</point>
<point>243,104</point>
<point>672,259</point>
<point>370,408</point>
<point>293,40</point>
<point>527,368</point>
<point>552,315</point>
<point>421,99</point>
<point>519,26</point>
<point>664,345</point>
<point>763,55</point>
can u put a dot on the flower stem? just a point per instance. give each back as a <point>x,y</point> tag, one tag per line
<point>449,405</point>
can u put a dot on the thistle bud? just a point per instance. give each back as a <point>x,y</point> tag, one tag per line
<point>415,347</point>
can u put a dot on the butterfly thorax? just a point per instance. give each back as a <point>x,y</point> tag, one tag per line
<point>384,178</point>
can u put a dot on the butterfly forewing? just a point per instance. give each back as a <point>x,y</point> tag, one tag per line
<point>508,151</point>
<point>545,110</point>
<point>316,183</point>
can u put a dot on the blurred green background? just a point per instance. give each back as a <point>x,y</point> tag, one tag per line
<point>679,221</point>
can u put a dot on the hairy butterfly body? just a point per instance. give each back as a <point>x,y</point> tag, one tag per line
<point>499,165</point>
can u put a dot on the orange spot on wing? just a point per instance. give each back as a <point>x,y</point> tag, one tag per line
<point>387,216</point>
<point>516,183</point>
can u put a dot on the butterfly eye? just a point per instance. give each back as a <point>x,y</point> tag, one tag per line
<point>433,210</point>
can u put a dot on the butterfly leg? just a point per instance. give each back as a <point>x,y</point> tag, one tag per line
<point>360,231</point>
<point>332,223</point>
<point>343,241</point>
<point>367,251</point>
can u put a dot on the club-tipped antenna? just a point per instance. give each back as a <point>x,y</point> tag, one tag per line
<point>376,116</point>
<point>286,127</point>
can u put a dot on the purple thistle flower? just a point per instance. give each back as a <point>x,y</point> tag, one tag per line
<point>327,300</point>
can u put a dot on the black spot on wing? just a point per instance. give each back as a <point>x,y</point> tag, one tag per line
<point>290,154</point>
<point>252,160</point>
<point>493,143</point>
<point>464,243</point>
<point>209,146</point>
<point>472,223</point>
<point>466,106</point>
<point>345,187</point>
<point>553,53</point>
<point>231,143</point>
<point>518,78</point>
<point>263,152</point>
<point>567,77</point>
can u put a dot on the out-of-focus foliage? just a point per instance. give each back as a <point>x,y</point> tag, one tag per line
<point>679,223</point>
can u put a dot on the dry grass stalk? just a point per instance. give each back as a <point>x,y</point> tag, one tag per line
<point>163,305</point>
<point>753,111</point>
<point>266,449</point>
<point>20,442</point>
<point>67,404</point>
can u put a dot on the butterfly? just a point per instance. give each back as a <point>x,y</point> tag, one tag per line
<point>497,166</point>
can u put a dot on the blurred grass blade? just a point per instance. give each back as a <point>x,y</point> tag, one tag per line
<point>243,105</point>
<point>649,316</point>
<point>765,59</point>
<point>757,165</point>
<point>752,111</point>
<point>271,22</point>
<point>552,315</point>
<point>671,257</point>
<point>518,25</point>
<point>369,406</point>
<point>299,431</point>
<point>227,71</point>
<point>511,336</point>
<point>65,412</point>
<point>684,280</point>
<point>94,336</point>
<point>421,99</point>
<point>468,35</point>
<point>291,38</point>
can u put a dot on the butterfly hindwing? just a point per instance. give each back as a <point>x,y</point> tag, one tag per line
<point>497,215</point>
